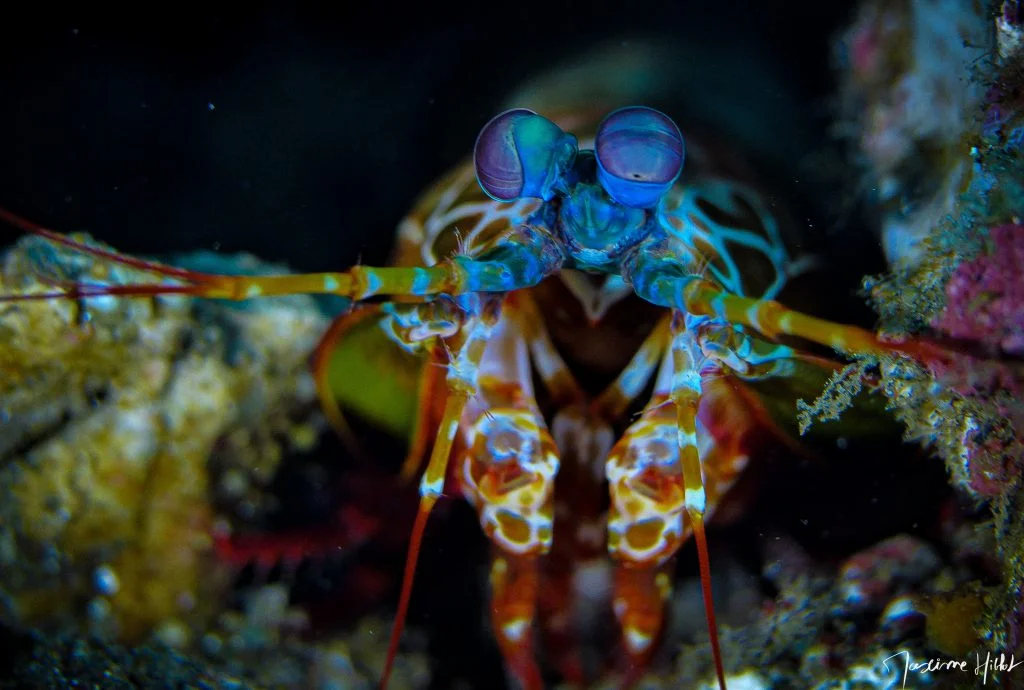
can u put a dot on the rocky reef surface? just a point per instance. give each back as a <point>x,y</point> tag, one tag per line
<point>124,422</point>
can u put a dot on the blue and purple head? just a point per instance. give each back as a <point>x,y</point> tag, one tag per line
<point>605,196</point>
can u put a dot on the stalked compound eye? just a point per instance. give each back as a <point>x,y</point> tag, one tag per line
<point>520,154</point>
<point>640,154</point>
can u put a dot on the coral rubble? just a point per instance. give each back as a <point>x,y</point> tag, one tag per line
<point>854,627</point>
<point>957,274</point>
<point>112,409</point>
<point>124,422</point>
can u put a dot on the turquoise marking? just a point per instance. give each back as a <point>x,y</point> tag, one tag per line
<point>421,282</point>
<point>658,277</point>
<point>523,261</point>
<point>373,283</point>
<point>597,230</point>
<point>655,275</point>
<point>545,152</point>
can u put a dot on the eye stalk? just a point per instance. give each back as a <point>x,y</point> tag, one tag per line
<point>639,154</point>
<point>520,154</point>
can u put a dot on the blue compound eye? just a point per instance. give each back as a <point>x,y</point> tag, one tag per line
<point>640,154</point>
<point>520,154</point>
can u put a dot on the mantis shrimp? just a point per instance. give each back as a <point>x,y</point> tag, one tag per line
<point>550,258</point>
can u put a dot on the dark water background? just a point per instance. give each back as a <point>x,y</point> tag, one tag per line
<point>304,135</point>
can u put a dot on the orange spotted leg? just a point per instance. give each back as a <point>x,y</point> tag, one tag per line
<point>656,475</point>
<point>508,474</point>
<point>466,347</point>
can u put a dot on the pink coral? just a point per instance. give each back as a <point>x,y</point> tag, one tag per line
<point>985,297</point>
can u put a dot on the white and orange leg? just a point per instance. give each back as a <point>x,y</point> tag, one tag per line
<point>466,346</point>
<point>656,477</point>
<point>508,474</point>
<point>645,526</point>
